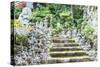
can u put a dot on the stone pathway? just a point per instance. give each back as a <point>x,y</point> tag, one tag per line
<point>63,51</point>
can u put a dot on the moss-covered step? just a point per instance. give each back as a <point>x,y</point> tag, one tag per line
<point>63,41</point>
<point>65,49</point>
<point>65,44</point>
<point>70,59</point>
<point>68,53</point>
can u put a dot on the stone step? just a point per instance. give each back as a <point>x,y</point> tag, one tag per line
<point>65,49</point>
<point>65,44</point>
<point>63,41</point>
<point>69,59</point>
<point>68,53</point>
<point>55,37</point>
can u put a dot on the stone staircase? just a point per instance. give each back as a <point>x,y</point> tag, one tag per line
<point>63,51</point>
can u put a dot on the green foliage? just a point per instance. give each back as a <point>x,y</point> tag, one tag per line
<point>77,12</point>
<point>17,12</point>
<point>17,23</point>
<point>63,16</point>
<point>20,41</point>
<point>88,30</point>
